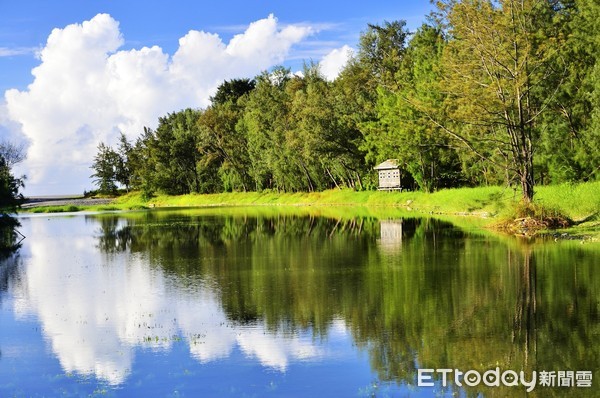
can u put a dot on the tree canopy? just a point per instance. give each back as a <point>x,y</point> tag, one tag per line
<point>486,92</point>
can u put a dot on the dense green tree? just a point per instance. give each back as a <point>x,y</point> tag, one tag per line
<point>565,130</point>
<point>382,55</point>
<point>497,62</point>
<point>105,168</point>
<point>296,139</point>
<point>123,172</point>
<point>10,197</point>
<point>267,122</point>
<point>222,143</point>
<point>401,131</point>
<point>328,148</point>
<point>487,93</point>
<point>586,32</point>
<point>381,50</point>
<point>353,98</point>
<point>173,153</point>
<point>232,90</point>
<point>141,164</point>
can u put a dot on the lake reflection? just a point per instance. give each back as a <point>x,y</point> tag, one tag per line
<point>341,303</point>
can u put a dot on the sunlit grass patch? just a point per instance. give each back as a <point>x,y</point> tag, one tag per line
<point>578,201</point>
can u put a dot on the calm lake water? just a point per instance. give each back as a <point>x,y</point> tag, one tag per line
<point>289,302</point>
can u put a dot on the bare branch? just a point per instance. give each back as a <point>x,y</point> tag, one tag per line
<point>12,153</point>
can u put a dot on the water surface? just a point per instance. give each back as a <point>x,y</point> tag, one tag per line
<point>287,302</point>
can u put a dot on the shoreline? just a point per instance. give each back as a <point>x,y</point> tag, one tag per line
<point>490,205</point>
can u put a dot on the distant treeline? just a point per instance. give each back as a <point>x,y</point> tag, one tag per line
<point>486,92</point>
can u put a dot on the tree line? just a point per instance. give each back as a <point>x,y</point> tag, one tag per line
<point>10,197</point>
<point>484,93</point>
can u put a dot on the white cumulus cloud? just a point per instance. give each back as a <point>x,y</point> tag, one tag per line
<point>332,64</point>
<point>86,90</point>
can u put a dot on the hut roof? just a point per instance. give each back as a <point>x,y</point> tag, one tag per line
<point>387,165</point>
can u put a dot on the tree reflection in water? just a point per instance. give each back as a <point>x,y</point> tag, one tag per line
<point>434,298</point>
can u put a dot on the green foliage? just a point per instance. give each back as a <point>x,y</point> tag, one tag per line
<point>112,167</point>
<point>499,66</point>
<point>401,131</point>
<point>224,147</point>
<point>173,150</point>
<point>587,30</point>
<point>267,122</point>
<point>232,90</point>
<point>10,197</point>
<point>105,166</point>
<point>123,166</point>
<point>382,49</point>
<point>567,150</point>
<point>167,159</point>
<point>488,93</point>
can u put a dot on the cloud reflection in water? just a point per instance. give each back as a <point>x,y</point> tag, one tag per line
<point>96,308</point>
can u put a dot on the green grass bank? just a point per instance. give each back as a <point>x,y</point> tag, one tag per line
<point>579,202</point>
<point>576,201</point>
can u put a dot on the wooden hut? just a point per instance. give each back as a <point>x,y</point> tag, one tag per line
<point>389,175</point>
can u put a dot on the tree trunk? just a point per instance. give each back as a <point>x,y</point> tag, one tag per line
<point>527,182</point>
<point>332,179</point>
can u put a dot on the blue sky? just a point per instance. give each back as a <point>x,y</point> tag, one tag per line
<point>143,54</point>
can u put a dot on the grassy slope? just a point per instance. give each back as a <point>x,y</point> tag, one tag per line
<point>576,201</point>
<point>447,201</point>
